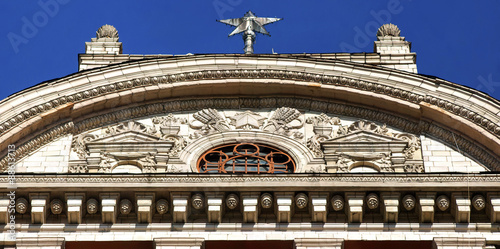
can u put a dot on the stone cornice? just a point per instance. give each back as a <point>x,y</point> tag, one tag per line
<point>325,182</point>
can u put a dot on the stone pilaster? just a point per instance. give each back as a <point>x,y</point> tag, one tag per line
<point>354,206</point>
<point>493,207</point>
<point>458,243</point>
<point>180,212</point>
<point>176,243</point>
<point>109,207</point>
<point>39,207</point>
<point>319,243</point>
<point>319,207</point>
<point>145,207</point>
<point>214,207</point>
<point>39,242</point>
<point>74,204</point>
<point>284,207</point>
<point>390,206</point>
<point>460,204</point>
<point>250,207</point>
<point>425,206</point>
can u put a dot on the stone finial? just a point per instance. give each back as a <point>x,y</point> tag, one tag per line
<point>107,31</point>
<point>388,29</point>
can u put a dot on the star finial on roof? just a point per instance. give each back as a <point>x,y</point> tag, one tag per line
<point>248,24</point>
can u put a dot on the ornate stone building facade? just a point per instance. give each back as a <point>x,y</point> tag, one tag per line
<point>329,150</point>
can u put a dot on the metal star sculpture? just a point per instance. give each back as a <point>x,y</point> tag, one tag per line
<point>248,24</point>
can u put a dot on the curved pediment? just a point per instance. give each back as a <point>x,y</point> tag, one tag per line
<point>268,78</point>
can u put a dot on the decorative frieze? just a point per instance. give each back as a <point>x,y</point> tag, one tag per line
<point>414,166</point>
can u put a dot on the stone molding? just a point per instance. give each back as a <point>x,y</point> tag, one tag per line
<point>451,242</point>
<point>363,85</point>
<point>477,151</point>
<point>40,242</point>
<point>396,178</point>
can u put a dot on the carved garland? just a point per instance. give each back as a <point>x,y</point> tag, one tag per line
<point>422,127</point>
<point>257,73</point>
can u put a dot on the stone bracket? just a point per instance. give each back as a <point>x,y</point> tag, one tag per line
<point>493,207</point>
<point>250,203</point>
<point>74,205</point>
<point>180,212</point>
<point>319,207</point>
<point>39,207</point>
<point>460,203</point>
<point>284,207</point>
<point>214,207</point>
<point>354,206</point>
<point>109,207</point>
<point>145,207</point>
<point>390,206</point>
<point>5,202</point>
<point>425,208</point>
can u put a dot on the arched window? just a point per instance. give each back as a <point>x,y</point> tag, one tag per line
<point>245,158</point>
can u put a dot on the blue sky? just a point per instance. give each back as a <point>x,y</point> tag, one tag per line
<point>458,41</point>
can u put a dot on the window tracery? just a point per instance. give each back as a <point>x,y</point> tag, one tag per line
<point>245,158</point>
